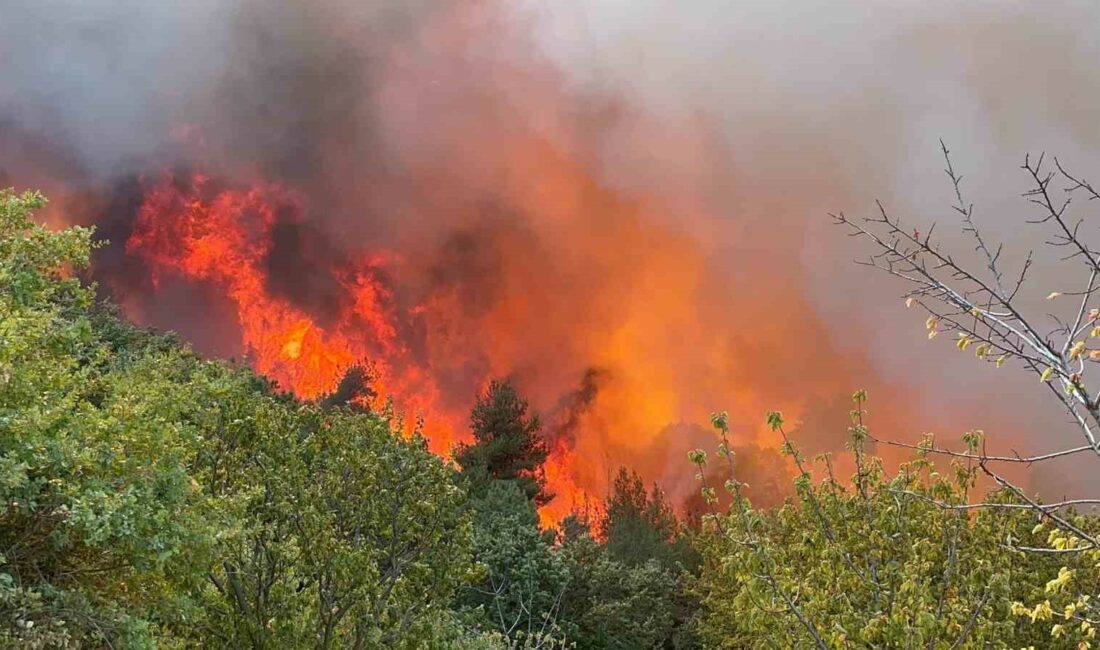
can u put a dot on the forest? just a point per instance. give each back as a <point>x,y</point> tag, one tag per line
<point>157,499</point>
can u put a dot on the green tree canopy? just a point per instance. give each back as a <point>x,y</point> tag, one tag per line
<point>639,525</point>
<point>101,507</point>
<point>153,499</point>
<point>524,578</point>
<point>612,605</point>
<point>877,561</point>
<point>507,445</point>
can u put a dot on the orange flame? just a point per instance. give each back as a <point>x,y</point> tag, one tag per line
<point>539,232</point>
<point>593,281</point>
<point>224,236</point>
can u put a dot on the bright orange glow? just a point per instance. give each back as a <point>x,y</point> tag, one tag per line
<point>619,295</point>
<point>443,206</point>
<point>224,236</point>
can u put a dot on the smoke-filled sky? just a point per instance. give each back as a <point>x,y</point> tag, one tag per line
<point>620,205</point>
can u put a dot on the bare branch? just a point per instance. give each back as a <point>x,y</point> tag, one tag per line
<point>979,457</point>
<point>993,505</point>
<point>967,211</point>
<point>983,308</point>
<point>1061,522</point>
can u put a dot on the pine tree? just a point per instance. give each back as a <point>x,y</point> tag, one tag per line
<point>507,445</point>
<point>638,526</point>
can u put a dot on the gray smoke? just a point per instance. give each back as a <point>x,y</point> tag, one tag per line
<point>823,107</point>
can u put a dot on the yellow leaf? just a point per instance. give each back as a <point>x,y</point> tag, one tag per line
<point>908,302</point>
<point>1077,350</point>
<point>1047,374</point>
<point>1042,612</point>
<point>1000,361</point>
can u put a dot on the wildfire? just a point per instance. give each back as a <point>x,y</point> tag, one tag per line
<point>434,201</point>
<point>224,237</point>
<point>448,219</point>
<point>189,226</point>
<point>601,312</point>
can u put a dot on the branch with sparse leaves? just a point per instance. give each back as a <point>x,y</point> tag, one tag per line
<point>970,295</point>
<point>986,313</point>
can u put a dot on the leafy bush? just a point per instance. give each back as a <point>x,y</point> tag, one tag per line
<point>877,561</point>
<point>155,499</point>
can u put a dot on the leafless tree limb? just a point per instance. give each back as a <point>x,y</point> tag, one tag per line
<point>983,308</point>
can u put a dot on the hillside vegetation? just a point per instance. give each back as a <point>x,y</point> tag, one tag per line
<point>155,499</point>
